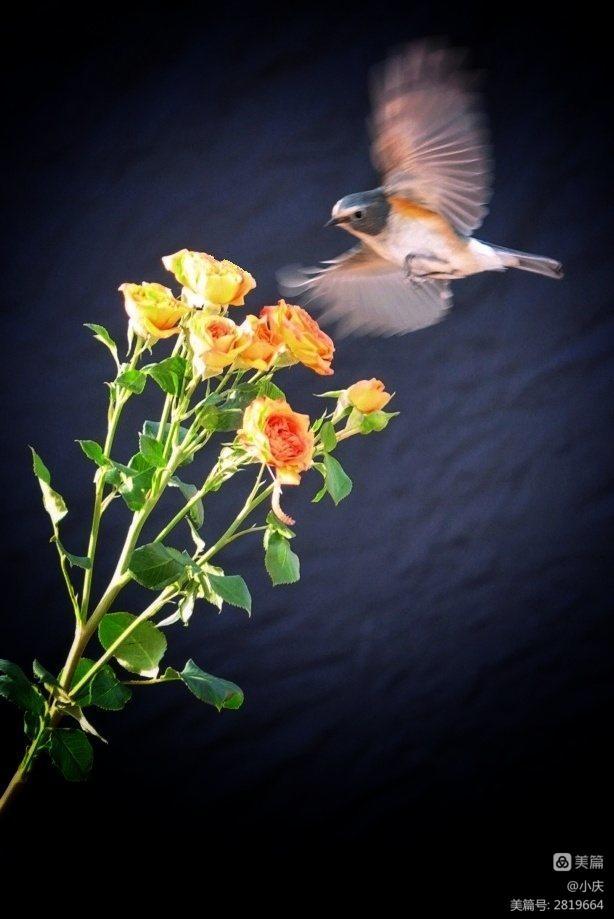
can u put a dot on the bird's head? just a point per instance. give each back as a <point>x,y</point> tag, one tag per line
<point>362,214</point>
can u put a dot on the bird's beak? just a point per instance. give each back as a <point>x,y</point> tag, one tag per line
<point>335,221</point>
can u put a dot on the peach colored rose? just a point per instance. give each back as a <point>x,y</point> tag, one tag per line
<point>301,335</point>
<point>276,435</point>
<point>368,396</point>
<point>214,283</point>
<point>216,342</point>
<point>264,344</point>
<point>153,311</point>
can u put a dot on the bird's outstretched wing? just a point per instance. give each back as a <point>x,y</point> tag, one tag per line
<point>428,136</point>
<point>367,295</point>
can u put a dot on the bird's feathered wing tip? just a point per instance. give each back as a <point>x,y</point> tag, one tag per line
<point>429,137</point>
<point>365,295</point>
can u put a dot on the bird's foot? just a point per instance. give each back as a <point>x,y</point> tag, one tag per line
<point>421,266</point>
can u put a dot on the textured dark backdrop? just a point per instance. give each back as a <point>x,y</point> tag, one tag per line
<point>437,688</point>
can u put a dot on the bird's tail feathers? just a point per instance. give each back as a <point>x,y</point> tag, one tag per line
<point>538,264</point>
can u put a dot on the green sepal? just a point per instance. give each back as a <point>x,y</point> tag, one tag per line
<point>374,421</point>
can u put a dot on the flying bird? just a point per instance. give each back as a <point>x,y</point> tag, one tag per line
<point>429,143</point>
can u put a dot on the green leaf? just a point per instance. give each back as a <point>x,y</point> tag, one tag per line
<point>43,675</point>
<point>133,481</point>
<point>31,724</point>
<point>211,689</point>
<point>53,502</point>
<point>72,753</point>
<point>281,562</point>
<point>141,651</point>
<point>104,690</point>
<point>233,589</point>
<point>328,438</point>
<point>156,565</point>
<point>94,452</point>
<point>78,561</point>
<point>101,335</point>
<point>270,389</point>
<point>152,450</point>
<point>75,561</point>
<point>152,429</point>
<point>133,380</point>
<point>197,511</point>
<point>239,397</point>
<point>338,483</point>
<point>274,523</point>
<point>17,688</point>
<point>170,674</point>
<point>320,494</point>
<point>213,418</point>
<point>168,374</point>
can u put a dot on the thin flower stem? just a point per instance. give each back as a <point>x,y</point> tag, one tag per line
<point>246,532</point>
<point>179,345</point>
<point>154,682</point>
<point>65,574</point>
<point>253,500</point>
<point>119,399</point>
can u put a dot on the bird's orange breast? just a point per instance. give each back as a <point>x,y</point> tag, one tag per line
<point>413,211</point>
<point>410,209</point>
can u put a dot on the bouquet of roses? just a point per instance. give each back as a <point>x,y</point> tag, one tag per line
<point>217,384</point>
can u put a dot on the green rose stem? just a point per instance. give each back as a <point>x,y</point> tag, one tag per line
<point>254,499</point>
<point>118,399</point>
<point>84,632</point>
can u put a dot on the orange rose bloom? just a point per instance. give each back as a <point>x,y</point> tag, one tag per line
<point>153,311</point>
<point>368,396</point>
<point>216,342</point>
<point>301,335</point>
<point>214,283</point>
<point>276,435</point>
<point>264,345</point>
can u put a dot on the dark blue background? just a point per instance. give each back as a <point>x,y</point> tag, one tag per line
<point>437,689</point>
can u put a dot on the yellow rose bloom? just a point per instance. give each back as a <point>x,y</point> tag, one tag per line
<point>368,396</point>
<point>216,342</point>
<point>215,283</point>
<point>264,344</point>
<point>276,435</point>
<point>153,311</point>
<point>301,335</point>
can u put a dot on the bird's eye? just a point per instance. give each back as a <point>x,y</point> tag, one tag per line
<point>358,214</point>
